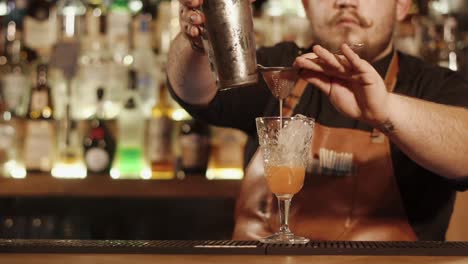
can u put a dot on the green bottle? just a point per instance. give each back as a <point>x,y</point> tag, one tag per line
<point>130,161</point>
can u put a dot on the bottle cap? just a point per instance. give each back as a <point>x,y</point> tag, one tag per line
<point>100,93</point>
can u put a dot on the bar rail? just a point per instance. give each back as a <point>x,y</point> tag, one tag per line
<point>225,247</point>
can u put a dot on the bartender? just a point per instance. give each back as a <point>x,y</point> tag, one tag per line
<point>404,123</point>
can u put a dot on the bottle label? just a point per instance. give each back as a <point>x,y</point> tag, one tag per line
<point>97,159</point>
<point>90,77</point>
<point>39,145</point>
<point>40,34</point>
<point>194,150</point>
<point>160,143</point>
<point>14,88</point>
<point>39,100</point>
<point>230,156</point>
<point>7,134</point>
<point>146,86</point>
<point>116,83</point>
<point>92,24</point>
<point>118,28</point>
<point>94,73</point>
<point>227,148</point>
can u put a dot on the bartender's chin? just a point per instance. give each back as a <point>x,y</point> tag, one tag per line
<point>350,39</point>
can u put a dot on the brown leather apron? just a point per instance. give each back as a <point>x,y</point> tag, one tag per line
<point>349,193</point>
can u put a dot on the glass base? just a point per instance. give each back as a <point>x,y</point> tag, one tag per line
<point>284,238</point>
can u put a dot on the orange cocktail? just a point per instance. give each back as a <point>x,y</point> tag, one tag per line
<point>285,144</point>
<point>284,179</point>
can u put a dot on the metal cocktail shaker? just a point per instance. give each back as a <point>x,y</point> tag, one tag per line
<point>230,42</point>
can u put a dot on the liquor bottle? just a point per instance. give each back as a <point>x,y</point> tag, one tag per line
<point>71,15</point>
<point>130,160</point>
<point>14,79</point>
<point>99,144</point>
<point>226,158</point>
<point>167,26</point>
<point>40,27</point>
<point>448,50</point>
<point>194,140</point>
<point>144,62</point>
<point>95,20</point>
<point>93,63</point>
<point>3,15</point>
<point>118,29</point>
<point>118,41</point>
<point>8,157</point>
<point>39,138</point>
<point>17,11</point>
<point>11,22</point>
<point>161,138</point>
<point>13,62</point>
<point>69,163</point>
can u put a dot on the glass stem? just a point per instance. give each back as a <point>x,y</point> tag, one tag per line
<point>283,205</point>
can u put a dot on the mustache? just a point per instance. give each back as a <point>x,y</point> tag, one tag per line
<point>363,22</point>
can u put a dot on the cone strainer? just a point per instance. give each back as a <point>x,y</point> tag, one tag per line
<point>280,80</point>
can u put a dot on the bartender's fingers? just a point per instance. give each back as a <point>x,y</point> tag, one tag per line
<point>310,61</point>
<point>191,21</point>
<point>331,60</point>
<point>303,62</point>
<point>191,3</point>
<point>310,56</point>
<point>195,17</point>
<point>358,64</point>
<point>319,80</point>
<point>317,65</point>
<point>364,73</point>
<point>196,3</point>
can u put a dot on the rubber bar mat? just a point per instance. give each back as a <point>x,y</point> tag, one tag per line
<point>133,246</point>
<point>419,248</point>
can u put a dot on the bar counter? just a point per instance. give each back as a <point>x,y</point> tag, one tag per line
<point>102,186</point>
<point>199,259</point>
<point>120,251</point>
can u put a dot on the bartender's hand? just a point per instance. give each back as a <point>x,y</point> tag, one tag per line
<point>191,21</point>
<point>353,86</point>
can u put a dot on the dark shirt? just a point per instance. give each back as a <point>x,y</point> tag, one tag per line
<point>428,198</point>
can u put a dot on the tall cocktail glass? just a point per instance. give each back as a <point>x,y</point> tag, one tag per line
<point>285,145</point>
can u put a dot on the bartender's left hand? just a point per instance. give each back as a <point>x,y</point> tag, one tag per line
<point>353,86</point>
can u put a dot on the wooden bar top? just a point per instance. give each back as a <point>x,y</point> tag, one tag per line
<point>227,259</point>
<point>104,186</point>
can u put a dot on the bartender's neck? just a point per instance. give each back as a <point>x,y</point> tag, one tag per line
<point>385,52</point>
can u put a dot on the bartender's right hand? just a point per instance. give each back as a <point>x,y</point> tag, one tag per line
<point>191,18</point>
<point>191,21</point>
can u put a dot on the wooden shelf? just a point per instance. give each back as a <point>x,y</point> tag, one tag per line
<point>104,186</point>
